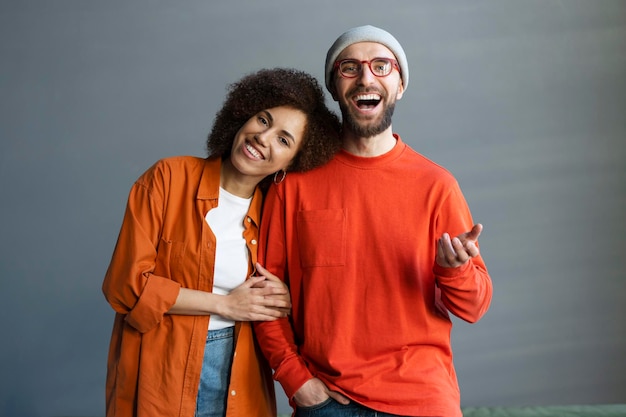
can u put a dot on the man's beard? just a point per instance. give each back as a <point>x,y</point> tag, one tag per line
<point>367,130</point>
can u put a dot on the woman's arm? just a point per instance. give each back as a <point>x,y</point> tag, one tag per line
<point>260,298</point>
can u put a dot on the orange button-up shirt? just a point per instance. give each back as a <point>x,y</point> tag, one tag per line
<point>155,359</point>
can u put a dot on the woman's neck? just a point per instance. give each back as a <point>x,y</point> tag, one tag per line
<point>235,182</point>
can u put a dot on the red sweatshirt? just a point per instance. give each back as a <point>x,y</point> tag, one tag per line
<point>356,242</point>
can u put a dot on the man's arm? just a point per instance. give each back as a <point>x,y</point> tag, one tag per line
<point>460,271</point>
<point>276,338</point>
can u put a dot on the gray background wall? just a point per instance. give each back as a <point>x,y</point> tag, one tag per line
<point>524,101</point>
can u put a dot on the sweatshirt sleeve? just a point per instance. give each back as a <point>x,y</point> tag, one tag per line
<point>129,285</point>
<point>276,338</point>
<point>465,291</point>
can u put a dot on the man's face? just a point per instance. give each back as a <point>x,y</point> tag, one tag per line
<point>367,101</point>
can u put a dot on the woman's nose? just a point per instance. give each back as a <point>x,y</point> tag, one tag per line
<point>261,138</point>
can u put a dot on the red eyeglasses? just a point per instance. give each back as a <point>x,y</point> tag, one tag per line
<point>380,67</point>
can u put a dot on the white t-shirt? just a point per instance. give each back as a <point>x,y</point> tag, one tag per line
<point>231,254</point>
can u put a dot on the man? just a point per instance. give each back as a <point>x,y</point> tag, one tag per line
<point>365,244</point>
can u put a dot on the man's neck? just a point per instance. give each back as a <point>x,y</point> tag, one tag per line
<point>370,146</point>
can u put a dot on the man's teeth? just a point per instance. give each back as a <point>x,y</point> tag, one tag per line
<point>253,151</point>
<point>367,97</point>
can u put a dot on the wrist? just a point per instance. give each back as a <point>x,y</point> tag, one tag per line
<point>215,304</point>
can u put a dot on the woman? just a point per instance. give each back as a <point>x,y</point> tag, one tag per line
<point>182,344</point>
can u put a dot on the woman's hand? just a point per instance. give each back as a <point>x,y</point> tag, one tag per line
<point>280,292</point>
<point>260,298</point>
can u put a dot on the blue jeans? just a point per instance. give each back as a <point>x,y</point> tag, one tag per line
<point>215,376</point>
<point>331,408</point>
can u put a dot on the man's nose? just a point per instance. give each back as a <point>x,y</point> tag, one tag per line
<point>366,76</point>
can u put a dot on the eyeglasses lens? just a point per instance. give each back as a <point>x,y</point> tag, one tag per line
<point>380,67</point>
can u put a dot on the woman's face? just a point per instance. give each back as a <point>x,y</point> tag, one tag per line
<point>268,141</point>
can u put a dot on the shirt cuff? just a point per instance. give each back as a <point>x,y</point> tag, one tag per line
<point>444,272</point>
<point>157,297</point>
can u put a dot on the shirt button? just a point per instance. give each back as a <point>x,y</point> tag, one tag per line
<point>233,393</point>
<point>249,220</point>
<point>253,241</point>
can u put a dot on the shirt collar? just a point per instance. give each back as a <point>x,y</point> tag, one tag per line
<point>209,188</point>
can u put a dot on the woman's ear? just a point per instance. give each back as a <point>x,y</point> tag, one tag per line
<point>279,176</point>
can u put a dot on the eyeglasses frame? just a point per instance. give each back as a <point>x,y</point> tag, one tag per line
<point>394,64</point>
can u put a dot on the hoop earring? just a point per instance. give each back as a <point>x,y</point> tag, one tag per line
<point>282,178</point>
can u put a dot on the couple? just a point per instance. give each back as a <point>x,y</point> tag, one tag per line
<point>364,250</point>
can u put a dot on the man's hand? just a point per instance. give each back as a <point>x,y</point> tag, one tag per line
<point>454,252</point>
<point>314,392</point>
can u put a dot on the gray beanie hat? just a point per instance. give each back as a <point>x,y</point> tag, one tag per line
<point>366,33</point>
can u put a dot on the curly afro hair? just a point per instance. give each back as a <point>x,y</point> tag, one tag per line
<point>276,87</point>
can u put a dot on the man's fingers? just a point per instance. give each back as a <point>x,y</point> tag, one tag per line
<point>460,252</point>
<point>446,248</point>
<point>471,249</point>
<point>340,398</point>
<point>452,252</point>
<point>475,232</point>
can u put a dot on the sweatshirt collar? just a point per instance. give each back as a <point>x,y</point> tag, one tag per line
<point>373,161</point>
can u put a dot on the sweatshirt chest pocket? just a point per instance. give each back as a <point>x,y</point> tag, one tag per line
<point>322,237</point>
